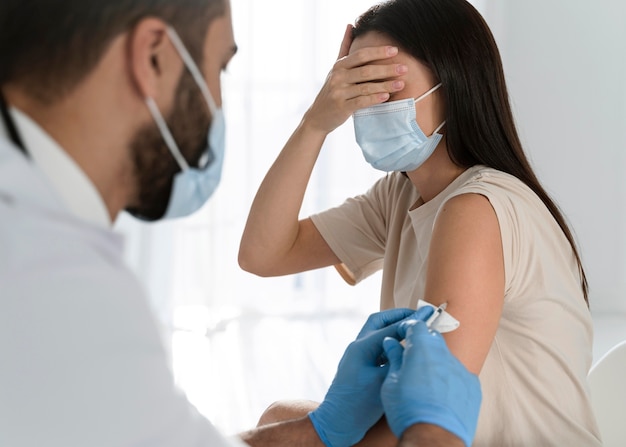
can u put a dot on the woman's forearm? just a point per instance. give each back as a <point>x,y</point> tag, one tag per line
<point>272,228</point>
<point>274,241</point>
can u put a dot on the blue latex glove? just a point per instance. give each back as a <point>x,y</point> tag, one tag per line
<point>353,404</point>
<point>427,384</point>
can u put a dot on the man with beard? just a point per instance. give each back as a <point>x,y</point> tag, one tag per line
<point>111,105</point>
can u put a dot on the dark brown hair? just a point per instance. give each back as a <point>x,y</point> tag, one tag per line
<point>49,46</point>
<point>453,40</point>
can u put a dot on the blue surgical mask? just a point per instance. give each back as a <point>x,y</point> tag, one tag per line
<point>391,139</point>
<point>193,186</point>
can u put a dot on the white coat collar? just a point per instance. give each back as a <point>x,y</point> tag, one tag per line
<point>68,180</point>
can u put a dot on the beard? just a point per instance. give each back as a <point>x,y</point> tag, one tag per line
<point>153,163</point>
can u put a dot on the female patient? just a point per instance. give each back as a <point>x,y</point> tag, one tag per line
<point>461,218</point>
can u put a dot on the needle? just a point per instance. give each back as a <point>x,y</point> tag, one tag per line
<point>382,359</point>
<point>436,315</point>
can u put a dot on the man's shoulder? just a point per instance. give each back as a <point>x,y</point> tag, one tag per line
<point>56,267</point>
<point>47,253</point>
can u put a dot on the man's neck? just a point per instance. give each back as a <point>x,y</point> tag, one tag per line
<point>94,140</point>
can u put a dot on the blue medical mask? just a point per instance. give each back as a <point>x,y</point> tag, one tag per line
<point>192,186</point>
<point>391,139</point>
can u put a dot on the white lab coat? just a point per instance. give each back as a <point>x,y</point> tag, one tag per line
<point>81,360</point>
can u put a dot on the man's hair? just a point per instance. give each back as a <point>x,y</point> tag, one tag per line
<point>48,46</point>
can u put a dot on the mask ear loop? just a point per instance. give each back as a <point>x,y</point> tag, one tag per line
<point>193,69</point>
<point>167,135</point>
<point>432,90</point>
<point>156,113</point>
<point>439,128</point>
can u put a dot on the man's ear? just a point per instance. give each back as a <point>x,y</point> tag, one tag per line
<point>153,62</point>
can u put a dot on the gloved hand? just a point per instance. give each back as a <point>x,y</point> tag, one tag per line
<point>427,384</point>
<point>353,404</point>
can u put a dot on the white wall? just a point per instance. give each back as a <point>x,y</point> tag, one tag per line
<point>565,62</point>
<point>566,69</point>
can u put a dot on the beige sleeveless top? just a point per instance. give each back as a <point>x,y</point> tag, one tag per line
<point>534,379</point>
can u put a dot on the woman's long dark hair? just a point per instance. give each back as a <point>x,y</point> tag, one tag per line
<point>453,40</point>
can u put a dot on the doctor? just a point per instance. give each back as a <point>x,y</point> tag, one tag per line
<point>115,105</point>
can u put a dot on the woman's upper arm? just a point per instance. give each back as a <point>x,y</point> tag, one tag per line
<point>310,251</point>
<point>466,270</point>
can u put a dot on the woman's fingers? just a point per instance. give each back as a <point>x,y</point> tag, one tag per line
<point>357,80</point>
<point>366,66</point>
<point>365,56</point>
<point>374,72</point>
<point>361,102</point>
<point>372,88</point>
